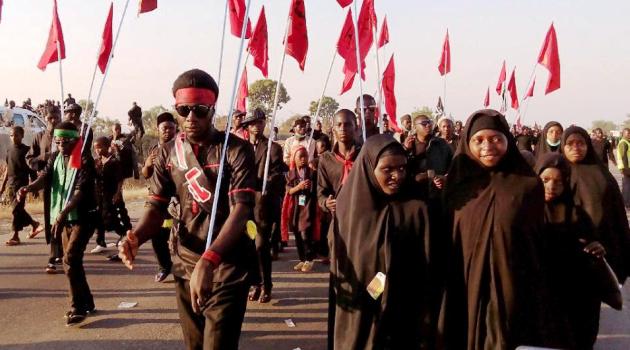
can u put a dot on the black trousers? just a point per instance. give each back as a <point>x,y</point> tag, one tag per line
<point>625,190</point>
<point>21,218</point>
<point>56,249</point>
<point>304,245</point>
<point>263,250</point>
<point>218,327</point>
<point>161,250</point>
<point>113,217</point>
<point>75,238</point>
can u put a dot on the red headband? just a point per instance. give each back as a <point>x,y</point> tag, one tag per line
<point>195,95</point>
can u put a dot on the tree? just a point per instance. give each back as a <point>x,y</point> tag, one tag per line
<point>262,94</point>
<point>103,126</point>
<point>328,108</point>
<point>605,125</point>
<point>149,119</point>
<point>286,126</point>
<point>90,106</point>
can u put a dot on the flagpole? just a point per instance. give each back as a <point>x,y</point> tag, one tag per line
<point>215,197</point>
<point>225,13</point>
<point>87,102</point>
<point>379,86</point>
<point>60,75</point>
<point>275,106</point>
<point>359,68</point>
<point>531,76</point>
<point>321,98</point>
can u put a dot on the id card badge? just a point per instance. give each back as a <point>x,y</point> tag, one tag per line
<point>377,285</point>
<point>302,200</point>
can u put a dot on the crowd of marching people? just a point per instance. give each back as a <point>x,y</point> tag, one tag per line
<point>441,235</point>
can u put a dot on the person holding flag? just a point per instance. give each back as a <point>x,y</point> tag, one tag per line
<point>72,221</point>
<point>211,284</point>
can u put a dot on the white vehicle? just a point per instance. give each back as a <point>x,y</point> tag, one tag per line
<point>30,121</point>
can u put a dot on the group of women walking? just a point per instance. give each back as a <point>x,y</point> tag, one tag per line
<point>512,266</point>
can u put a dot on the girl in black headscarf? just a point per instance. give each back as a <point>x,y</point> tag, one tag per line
<point>570,245</point>
<point>550,139</point>
<point>495,293</point>
<point>380,234</point>
<point>596,192</point>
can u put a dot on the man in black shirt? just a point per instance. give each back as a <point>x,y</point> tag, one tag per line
<point>602,147</point>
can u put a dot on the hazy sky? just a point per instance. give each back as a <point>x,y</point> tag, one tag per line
<point>155,47</point>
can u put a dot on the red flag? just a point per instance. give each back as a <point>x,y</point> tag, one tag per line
<point>502,77</point>
<point>243,92</point>
<point>75,157</point>
<point>486,101</point>
<point>55,35</point>
<point>346,48</point>
<point>259,45</point>
<point>445,60</point>
<point>389,80</point>
<point>366,26</point>
<point>550,59</point>
<point>530,91</point>
<point>106,45</point>
<point>344,3</point>
<point>237,15</point>
<point>147,6</point>
<point>297,38</point>
<point>512,89</point>
<point>384,38</point>
<point>348,79</point>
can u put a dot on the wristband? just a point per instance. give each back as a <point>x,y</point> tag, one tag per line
<point>212,257</point>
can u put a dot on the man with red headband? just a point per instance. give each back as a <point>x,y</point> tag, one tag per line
<point>211,284</point>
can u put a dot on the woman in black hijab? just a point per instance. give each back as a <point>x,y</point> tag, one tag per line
<point>495,295</point>
<point>570,245</point>
<point>596,192</point>
<point>380,234</point>
<point>550,139</point>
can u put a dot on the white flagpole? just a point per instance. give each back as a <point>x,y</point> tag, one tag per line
<point>60,75</point>
<point>319,103</point>
<point>217,189</point>
<point>528,84</point>
<point>379,83</point>
<point>356,39</point>
<point>225,13</point>
<point>89,95</point>
<point>275,107</point>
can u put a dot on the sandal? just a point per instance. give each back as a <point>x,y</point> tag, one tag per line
<point>254,294</point>
<point>265,297</point>
<point>13,241</point>
<point>37,229</point>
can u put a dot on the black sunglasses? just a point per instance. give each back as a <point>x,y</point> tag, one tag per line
<point>201,111</point>
<point>425,123</point>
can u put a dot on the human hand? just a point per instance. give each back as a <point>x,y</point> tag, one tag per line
<point>199,284</point>
<point>331,203</point>
<point>438,181</point>
<point>128,249</point>
<point>408,144</point>
<point>595,249</point>
<point>22,192</point>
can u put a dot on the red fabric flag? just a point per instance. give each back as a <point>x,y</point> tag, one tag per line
<point>75,157</point>
<point>445,60</point>
<point>243,92</point>
<point>389,80</point>
<point>384,38</point>
<point>348,78</point>
<point>106,45</point>
<point>550,59</point>
<point>512,89</point>
<point>259,45</point>
<point>530,91</point>
<point>237,15</point>
<point>502,77</point>
<point>346,48</point>
<point>344,3</point>
<point>366,26</point>
<point>147,6</point>
<point>297,38</point>
<point>55,35</point>
<point>486,101</point>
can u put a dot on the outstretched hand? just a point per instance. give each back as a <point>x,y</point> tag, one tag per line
<point>128,249</point>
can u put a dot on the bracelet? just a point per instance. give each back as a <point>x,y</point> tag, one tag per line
<point>212,257</point>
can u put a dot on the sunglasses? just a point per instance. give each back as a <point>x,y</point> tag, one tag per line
<point>425,123</point>
<point>201,111</point>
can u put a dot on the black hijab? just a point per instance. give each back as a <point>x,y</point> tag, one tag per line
<point>542,147</point>
<point>596,192</point>
<point>378,233</point>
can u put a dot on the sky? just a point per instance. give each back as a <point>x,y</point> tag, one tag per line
<point>154,48</point>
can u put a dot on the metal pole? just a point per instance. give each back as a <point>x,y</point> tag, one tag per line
<point>356,39</point>
<point>60,75</point>
<point>217,189</point>
<point>319,103</point>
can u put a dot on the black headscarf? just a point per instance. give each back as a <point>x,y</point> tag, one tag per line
<point>378,233</point>
<point>596,192</point>
<point>543,147</point>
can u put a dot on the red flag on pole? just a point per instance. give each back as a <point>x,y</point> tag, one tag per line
<point>550,59</point>
<point>530,91</point>
<point>344,3</point>
<point>502,77</point>
<point>237,16</point>
<point>243,92</point>
<point>486,101</point>
<point>106,45</point>
<point>297,38</point>
<point>389,80</point>
<point>384,38</point>
<point>445,60</point>
<point>346,48</point>
<point>366,26</point>
<point>55,35</point>
<point>147,6</point>
<point>512,89</point>
<point>75,157</point>
<point>259,45</point>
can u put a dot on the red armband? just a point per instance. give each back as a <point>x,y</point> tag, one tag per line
<point>212,257</point>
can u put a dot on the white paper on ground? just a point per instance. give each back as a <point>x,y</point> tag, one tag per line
<point>127,304</point>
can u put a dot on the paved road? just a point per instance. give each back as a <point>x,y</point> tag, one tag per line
<point>32,304</point>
